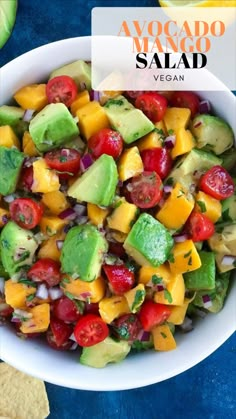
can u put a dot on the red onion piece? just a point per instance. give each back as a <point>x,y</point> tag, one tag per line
<point>74,346</point>
<point>204,107</point>
<point>160,287</point>
<point>9,198</point>
<point>228,260</point>
<point>65,152</point>
<point>68,214</point>
<point>28,115</point>
<point>170,141</point>
<point>82,219</point>
<point>180,238</point>
<point>197,125</point>
<point>167,188</point>
<point>55,293</point>
<point>5,219</point>
<point>2,285</point>
<point>42,292</point>
<point>82,86</point>
<point>85,162</point>
<point>72,337</point>
<point>143,336</point>
<point>187,325</point>
<point>95,95</point>
<point>206,301</point>
<point>85,295</point>
<point>59,244</point>
<point>79,209</point>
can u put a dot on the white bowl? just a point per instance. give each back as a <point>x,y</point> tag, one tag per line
<point>63,368</point>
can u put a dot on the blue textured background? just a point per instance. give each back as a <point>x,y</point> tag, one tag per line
<point>207,390</point>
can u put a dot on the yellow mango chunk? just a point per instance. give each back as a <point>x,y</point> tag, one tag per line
<point>174,293</point>
<point>55,201</point>
<point>45,179</point>
<point>176,118</point>
<point>184,143</point>
<point>177,208</point>
<point>147,272</point>
<point>16,293</point>
<point>28,145</point>
<point>118,236</point>
<point>40,319</point>
<point>49,249</point>
<point>211,207</point>
<point>3,214</point>
<point>162,338</point>
<point>130,164</point>
<point>92,118</point>
<point>96,214</point>
<point>81,99</point>
<point>32,97</point>
<point>51,225</point>
<point>153,139</point>
<point>77,288</point>
<point>112,307</point>
<point>122,216</point>
<point>135,297</point>
<point>185,258</point>
<point>178,313</point>
<point>8,138</point>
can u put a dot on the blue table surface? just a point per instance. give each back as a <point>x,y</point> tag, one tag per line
<point>207,390</point>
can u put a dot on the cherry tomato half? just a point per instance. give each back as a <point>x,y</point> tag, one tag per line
<point>66,161</point>
<point>106,141</point>
<point>151,314</point>
<point>45,270</point>
<point>146,189</point>
<point>61,331</point>
<point>217,183</point>
<point>90,330</point>
<point>52,342</point>
<point>127,327</point>
<point>65,309</point>
<point>153,105</point>
<point>61,89</point>
<point>26,212</point>
<point>157,160</point>
<point>186,100</point>
<point>120,278</point>
<point>199,227</point>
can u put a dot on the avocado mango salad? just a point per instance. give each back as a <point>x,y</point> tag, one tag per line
<point>117,215</point>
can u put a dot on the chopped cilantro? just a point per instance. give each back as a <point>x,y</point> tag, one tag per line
<point>63,159</point>
<point>65,280</point>
<point>170,181</point>
<point>234,263</point>
<point>167,296</point>
<point>138,299</point>
<point>186,255</point>
<point>21,218</point>
<point>171,132</point>
<point>30,297</point>
<point>157,279</point>
<point>163,335</point>
<point>49,230</point>
<point>79,305</point>
<point>116,102</point>
<point>171,258</point>
<point>159,131</point>
<point>123,332</point>
<point>190,261</point>
<point>27,282</point>
<point>202,206</point>
<point>69,295</point>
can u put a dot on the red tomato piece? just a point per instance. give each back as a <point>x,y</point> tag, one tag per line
<point>27,177</point>
<point>186,100</point>
<point>65,309</point>
<point>61,331</point>
<point>199,227</point>
<point>61,89</point>
<point>91,308</point>
<point>45,270</point>
<point>26,212</point>
<point>90,330</point>
<point>120,277</point>
<point>52,343</point>
<point>127,327</point>
<point>152,314</point>
<point>146,189</point>
<point>66,161</point>
<point>157,160</point>
<point>5,309</point>
<point>106,141</point>
<point>153,105</point>
<point>217,183</point>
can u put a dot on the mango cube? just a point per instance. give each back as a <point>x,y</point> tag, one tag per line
<point>135,297</point>
<point>184,143</point>
<point>185,258</point>
<point>174,292</point>
<point>94,290</point>
<point>55,201</point>
<point>16,293</point>
<point>150,276</point>
<point>163,339</point>
<point>130,163</point>
<point>32,97</point>
<point>28,145</point>
<point>81,99</point>
<point>45,179</point>
<point>112,307</point>
<point>176,118</point>
<point>96,214</point>
<point>208,205</point>
<point>8,138</point>
<point>49,248</point>
<point>51,225</point>
<point>92,118</point>
<point>122,216</point>
<point>40,319</point>
<point>178,313</point>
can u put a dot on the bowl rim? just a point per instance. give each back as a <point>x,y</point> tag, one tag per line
<point>113,385</point>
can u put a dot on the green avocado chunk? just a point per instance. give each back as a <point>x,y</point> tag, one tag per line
<point>7,19</point>
<point>202,278</point>
<point>3,272</point>
<point>131,123</point>
<point>213,133</point>
<point>98,184</point>
<point>82,252</point>
<point>229,160</point>
<point>217,296</point>
<point>79,70</point>
<point>11,161</point>
<point>52,127</point>
<point>101,354</point>
<point>18,247</point>
<point>10,115</point>
<point>148,242</point>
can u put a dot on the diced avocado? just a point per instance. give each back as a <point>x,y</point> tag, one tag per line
<point>131,123</point>
<point>105,352</point>
<point>11,161</point>
<point>229,207</point>
<point>82,252</point>
<point>52,126</point>
<point>217,296</point>
<point>79,70</point>
<point>195,161</point>
<point>20,127</point>
<point>212,133</point>
<point>149,242</point>
<point>98,184</point>
<point>3,272</point>
<point>7,19</point>
<point>229,160</point>
<point>9,115</point>
<point>18,247</point>
<point>202,278</point>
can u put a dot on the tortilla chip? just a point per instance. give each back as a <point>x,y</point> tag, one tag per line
<point>22,396</point>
